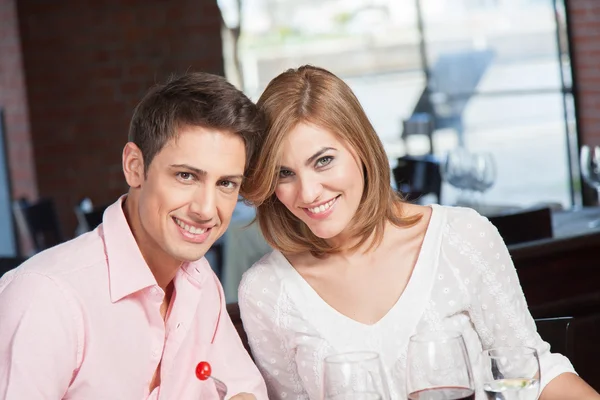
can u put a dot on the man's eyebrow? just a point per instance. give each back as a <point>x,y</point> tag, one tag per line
<point>233,177</point>
<point>195,170</point>
<point>202,172</point>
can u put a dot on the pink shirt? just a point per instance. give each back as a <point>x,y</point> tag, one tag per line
<point>82,321</point>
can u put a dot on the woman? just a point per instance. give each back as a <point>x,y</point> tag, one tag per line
<point>355,268</point>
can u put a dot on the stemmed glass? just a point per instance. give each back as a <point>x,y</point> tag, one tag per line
<point>511,373</point>
<point>355,375</point>
<point>456,170</point>
<point>590,170</point>
<point>483,172</point>
<point>438,367</point>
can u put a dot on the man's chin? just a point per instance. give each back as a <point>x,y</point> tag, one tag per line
<point>190,258</point>
<point>192,254</point>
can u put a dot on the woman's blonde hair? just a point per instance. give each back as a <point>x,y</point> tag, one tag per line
<point>316,96</point>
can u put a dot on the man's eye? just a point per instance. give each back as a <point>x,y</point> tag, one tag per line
<point>185,176</point>
<point>228,184</point>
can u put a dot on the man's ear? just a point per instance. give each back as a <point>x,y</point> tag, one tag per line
<point>133,165</point>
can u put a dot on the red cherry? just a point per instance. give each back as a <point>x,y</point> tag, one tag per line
<point>203,370</point>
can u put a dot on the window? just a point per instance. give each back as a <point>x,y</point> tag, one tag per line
<point>494,74</point>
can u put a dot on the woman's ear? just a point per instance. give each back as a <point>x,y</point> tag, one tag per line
<point>133,165</point>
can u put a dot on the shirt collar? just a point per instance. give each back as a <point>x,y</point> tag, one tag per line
<point>127,269</point>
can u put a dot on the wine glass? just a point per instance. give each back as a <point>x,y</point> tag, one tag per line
<point>590,170</point>
<point>483,171</point>
<point>456,170</point>
<point>438,367</point>
<point>511,373</point>
<point>355,375</point>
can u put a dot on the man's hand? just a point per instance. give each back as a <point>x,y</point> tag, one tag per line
<point>243,396</point>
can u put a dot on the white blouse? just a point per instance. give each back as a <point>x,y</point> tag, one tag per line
<point>464,280</point>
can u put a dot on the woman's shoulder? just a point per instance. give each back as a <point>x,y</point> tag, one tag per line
<point>469,238</point>
<point>460,218</point>
<point>269,270</point>
<point>267,264</point>
<point>464,229</point>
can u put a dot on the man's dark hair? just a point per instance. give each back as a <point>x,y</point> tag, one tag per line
<point>194,99</point>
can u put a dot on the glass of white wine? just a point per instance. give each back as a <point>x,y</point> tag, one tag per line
<point>511,373</point>
<point>354,376</point>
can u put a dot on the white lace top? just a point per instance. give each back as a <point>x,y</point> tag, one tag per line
<point>464,280</point>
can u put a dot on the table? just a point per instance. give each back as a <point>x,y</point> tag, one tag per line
<point>571,229</point>
<point>561,275</point>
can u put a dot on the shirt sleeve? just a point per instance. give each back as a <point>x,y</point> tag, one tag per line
<point>499,309</point>
<point>234,365</point>
<point>259,297</point>
<point>38,338</point>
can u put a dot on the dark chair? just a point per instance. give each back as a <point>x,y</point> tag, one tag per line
<point>8,263</point>
<point>94,217</point>
<point>576,338</point>
<point>524,226</point>
<point>39,222</point>
<point>417,176</point>
<point>89,219</point>
<point>215,256</point>
<point>556,331</point>
<point>419,124</point>
<point>233,310</point>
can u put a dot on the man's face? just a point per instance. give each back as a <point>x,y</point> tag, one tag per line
<point>191,188</point>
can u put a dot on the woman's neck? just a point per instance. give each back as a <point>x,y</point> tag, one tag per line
<point>351,247</point>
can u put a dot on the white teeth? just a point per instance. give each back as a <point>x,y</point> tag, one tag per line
<point>191,229</point>
<point>322,207</point>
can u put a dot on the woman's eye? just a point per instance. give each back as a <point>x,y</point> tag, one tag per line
<point>284,173</point>
<point>323,161</point>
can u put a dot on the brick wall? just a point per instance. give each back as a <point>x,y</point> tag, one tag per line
<point>584,19</point>
<point>13,100</point>
<point>87,65</point>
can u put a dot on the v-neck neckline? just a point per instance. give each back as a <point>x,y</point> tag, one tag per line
<point>412,295</point>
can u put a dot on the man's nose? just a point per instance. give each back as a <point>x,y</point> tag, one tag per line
<point>203,205</point>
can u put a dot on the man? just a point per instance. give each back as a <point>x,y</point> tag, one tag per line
<point>128,311</point>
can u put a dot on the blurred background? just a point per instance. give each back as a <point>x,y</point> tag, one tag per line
<point>494,75</point>
<point>515,80</point>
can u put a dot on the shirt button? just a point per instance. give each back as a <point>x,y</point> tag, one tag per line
<point>156,293</point>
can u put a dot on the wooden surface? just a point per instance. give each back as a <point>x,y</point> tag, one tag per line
<point>561,275</point>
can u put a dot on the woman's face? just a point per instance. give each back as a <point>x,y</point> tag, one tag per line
<point>320,180</point>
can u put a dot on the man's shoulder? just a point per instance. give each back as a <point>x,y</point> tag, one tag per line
<point>64,262</point>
